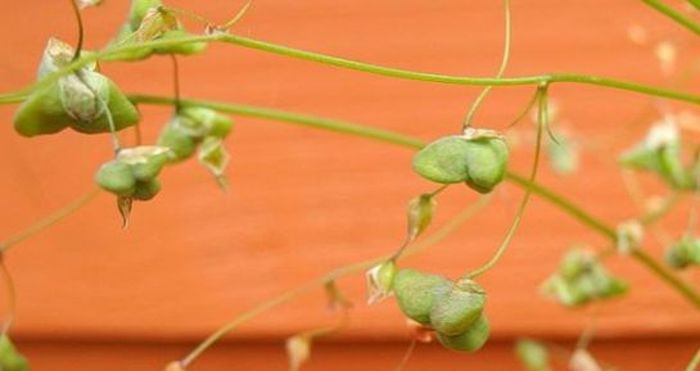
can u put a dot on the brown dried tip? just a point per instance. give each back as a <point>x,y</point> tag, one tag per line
<point>174,366</point>
<point>419,332</point>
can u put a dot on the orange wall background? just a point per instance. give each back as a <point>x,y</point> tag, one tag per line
<point>303,202</point>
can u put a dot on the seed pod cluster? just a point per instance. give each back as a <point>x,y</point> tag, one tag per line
<point>149,20</point>
<point>478,158</point>
<point>199,127</point>
<point>453,309</point>
<point>684,252</point>
<point>581,279</point>
<point>134,173</point>
<point>84,100</point>
<point>660,153</point>
<point>10,358</point>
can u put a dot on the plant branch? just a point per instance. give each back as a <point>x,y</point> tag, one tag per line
<point>674,14</point>
<point>431,240</point>
<point>650,90</point>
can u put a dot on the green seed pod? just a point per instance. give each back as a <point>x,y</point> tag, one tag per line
<point>181,145</point>
<point>671,167</point>
<point>684,252</point>
<point>575,263</point>
<point>444,160</point>
<point>676,258</point>
<point>146,190</point>
<point>10,358</point>
<point>116,177</point>
<point>417,292</point>
<point>533,355</point>
<point>471,340</point>
<point>488,159</point>
<point>146,161</point>
<point>213,123</point>
<point>478,158</point>
<point>456,311</point>
<point>565,292</point>
<point>79,100</point>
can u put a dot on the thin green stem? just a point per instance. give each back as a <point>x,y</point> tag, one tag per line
<point>285,297</point>
<point>81,30</point>
<point>674,14</point>
<point>687,291</point>
<point>305,120</point>
<point>11,297</point>
<point>694,362</point>
<point>542,116</point>
<point>526,109</point>
<point>501,69</point>
<point>48,221</point>
<point>358,66</point>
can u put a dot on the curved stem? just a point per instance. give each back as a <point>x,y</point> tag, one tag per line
<point>241,13</point>
<point>398,139</point>
<point>501,69</point>
<point>48,221</point>
<point>433,239</point>
<point>542,116</point>
<point>675,15</point>
<point>694,362</point>
<point>81,31</point>
<point>176,83</point>
<point>11,297</point>
<point>359,66</point>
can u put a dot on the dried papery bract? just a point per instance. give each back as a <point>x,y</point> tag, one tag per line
<point>380,281</point>
<point>88,3</point>
<point>582,360</point>
<point>336,299</point>
<point>420,214</point>
<point>150,20</point>
<point>298,351</point>
<point>630,235</point>
<point>175,366</point>
<point>86,100</point>
<point>533,355</point>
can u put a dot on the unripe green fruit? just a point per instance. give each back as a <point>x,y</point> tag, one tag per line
<point>116,177</point>
<point>79,100</point>
<point>480,162</point>
<point>676,258</point>
<point>145,191</point>
<point>575,263</point>
<point>469,341</point>
<point>417,292</point>
<point>456,311</point>
<point>488,158</point>
<point>181,144</point>
<point>149,168</point>
<point>444,160</point>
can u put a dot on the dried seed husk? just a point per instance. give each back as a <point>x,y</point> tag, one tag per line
<point>213,155</point>
<point>417,292</point>
<point>456,311</point>
<point>116,177</point>
<point>469,341</point>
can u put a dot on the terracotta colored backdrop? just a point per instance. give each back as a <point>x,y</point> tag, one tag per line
<point>302,202</point>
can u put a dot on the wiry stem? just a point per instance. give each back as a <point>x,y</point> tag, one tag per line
<point>675,15</point>
<point>501,69</point>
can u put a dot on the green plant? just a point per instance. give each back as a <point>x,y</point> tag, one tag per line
<point>71,92</point>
